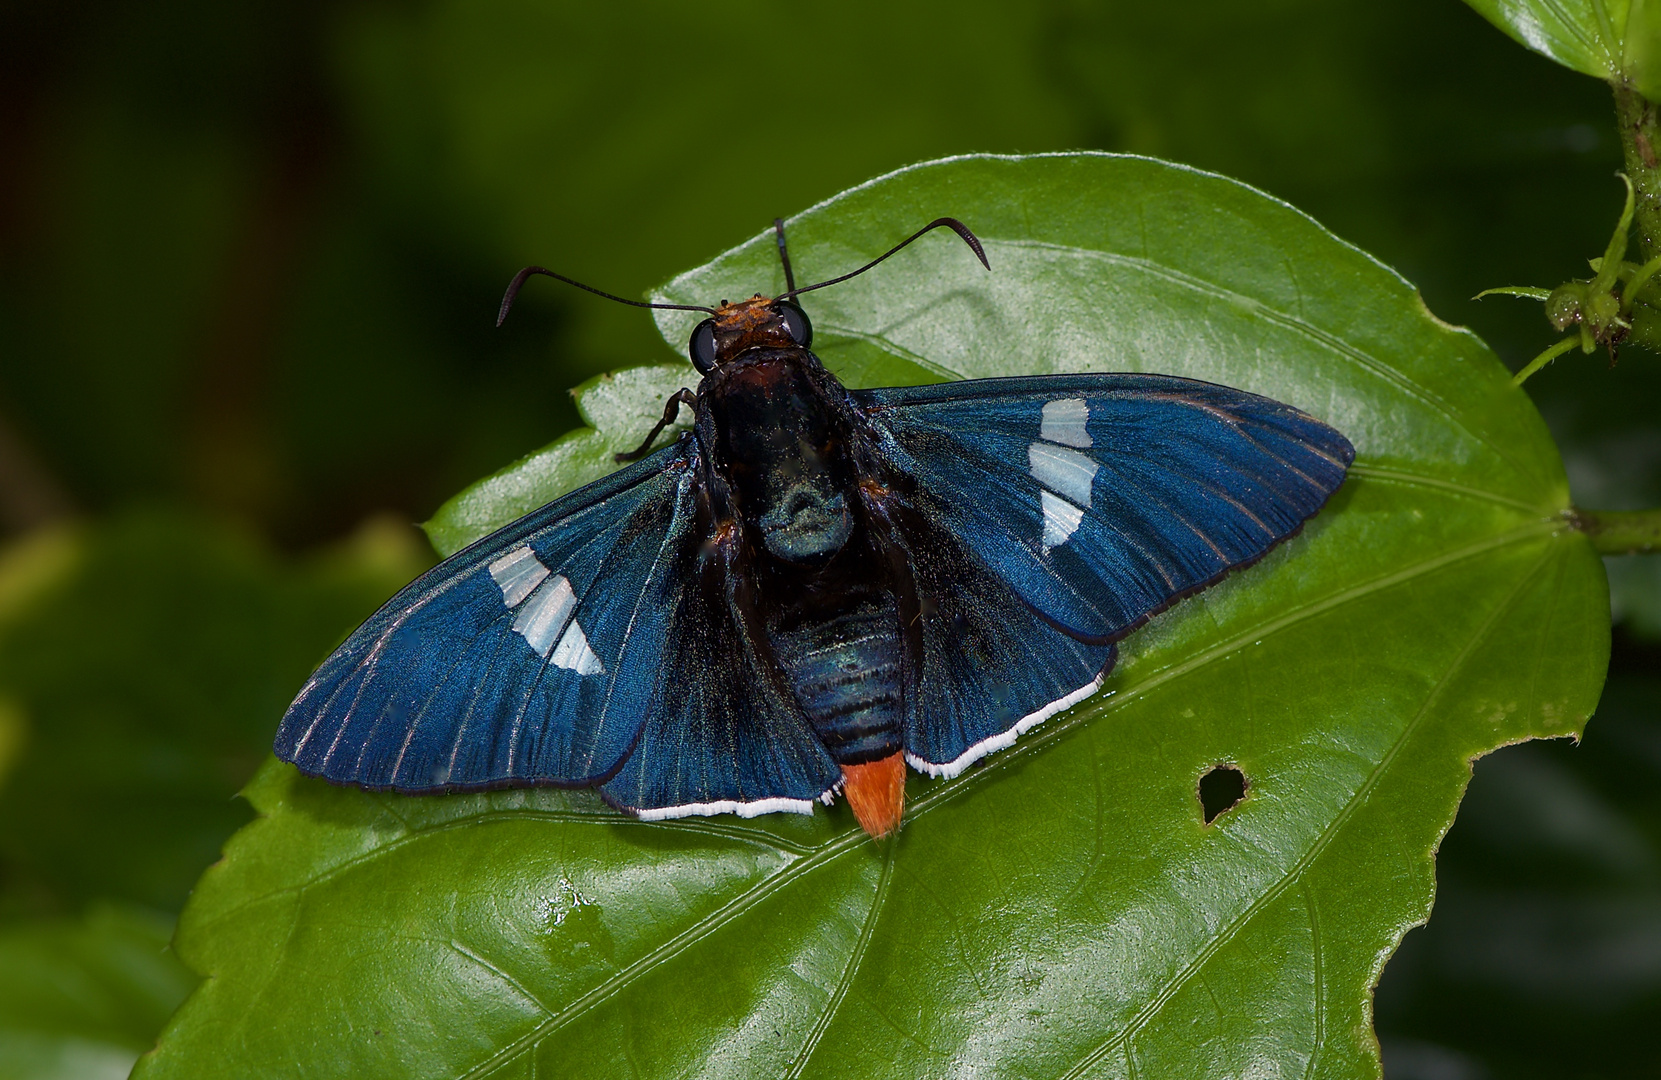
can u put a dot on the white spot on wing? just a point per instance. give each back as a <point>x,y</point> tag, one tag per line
<point>517,573</point>
<point>545,614</point>
<point>1061,519</point>
<point>1065,472</point>
<point>573,652</point>
<point>1064,422</point>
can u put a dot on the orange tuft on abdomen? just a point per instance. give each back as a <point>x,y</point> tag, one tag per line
<point>876,793</point>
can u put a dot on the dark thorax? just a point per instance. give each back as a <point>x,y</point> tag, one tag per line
<point>822,591</point>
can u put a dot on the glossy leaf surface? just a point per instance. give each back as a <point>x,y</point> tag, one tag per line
<point>1608,39</point>
<point>1063,911</point>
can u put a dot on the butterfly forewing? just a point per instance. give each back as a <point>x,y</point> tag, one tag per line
<point>1101,498</point>
<point>532,657</point>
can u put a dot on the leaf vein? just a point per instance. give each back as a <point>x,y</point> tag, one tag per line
<point>1119,698</point>
<point>1400,476</point>
<point>1319,989</point>
<point>848,971</point>
<point>457,946</point>
<point>755,837</point>
<point>894,349</point>
<point>673,947</point>
<point>1361,797</point>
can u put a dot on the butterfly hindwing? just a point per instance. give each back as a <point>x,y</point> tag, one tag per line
<point>531,657</point>
<point>726,738</point>
<point>1099,499</point>
<point>990,667</point>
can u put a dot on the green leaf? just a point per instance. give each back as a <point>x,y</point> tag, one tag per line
<point>1062,911</point>
<point>1527,292</point>
<point>1617,40</point>
<point>82,999</point>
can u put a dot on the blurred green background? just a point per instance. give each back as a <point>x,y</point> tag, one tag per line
<point>250,255</point>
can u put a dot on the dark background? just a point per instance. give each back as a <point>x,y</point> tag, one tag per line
<point>250,255</point>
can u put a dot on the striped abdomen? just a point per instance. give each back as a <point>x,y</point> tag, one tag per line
<point>846,675</point>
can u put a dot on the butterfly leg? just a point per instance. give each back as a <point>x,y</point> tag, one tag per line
<point>671,409</point>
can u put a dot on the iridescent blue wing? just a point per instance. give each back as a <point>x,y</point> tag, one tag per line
<point>990,668</point>
<point>1100,499</point>
<point>727,737</point>
<point>1050,516</point>
<point>582,645</point>
<point>530,657</point>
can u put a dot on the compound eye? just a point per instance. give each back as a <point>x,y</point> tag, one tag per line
<point>796,323</point>
<point>702,347</point>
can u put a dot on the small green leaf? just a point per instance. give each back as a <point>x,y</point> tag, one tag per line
<point>81,999</point>
<point>1617,40</point>
<point>1063,911</point>
<point>1527,292</point>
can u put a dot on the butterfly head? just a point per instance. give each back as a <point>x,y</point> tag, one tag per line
<point>760,322</point>
<point>757,323</point>
<point>763,322</point>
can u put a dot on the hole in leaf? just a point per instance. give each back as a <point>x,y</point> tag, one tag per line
<point>1221,789</point>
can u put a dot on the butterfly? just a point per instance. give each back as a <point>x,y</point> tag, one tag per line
<point>813,587</point>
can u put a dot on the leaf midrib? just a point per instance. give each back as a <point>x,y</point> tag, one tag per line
<point>850,969</point>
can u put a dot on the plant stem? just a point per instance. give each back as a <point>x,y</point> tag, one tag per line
<point>1621,532</point>
<point>1543,359</point>
<point>1639,121</point>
